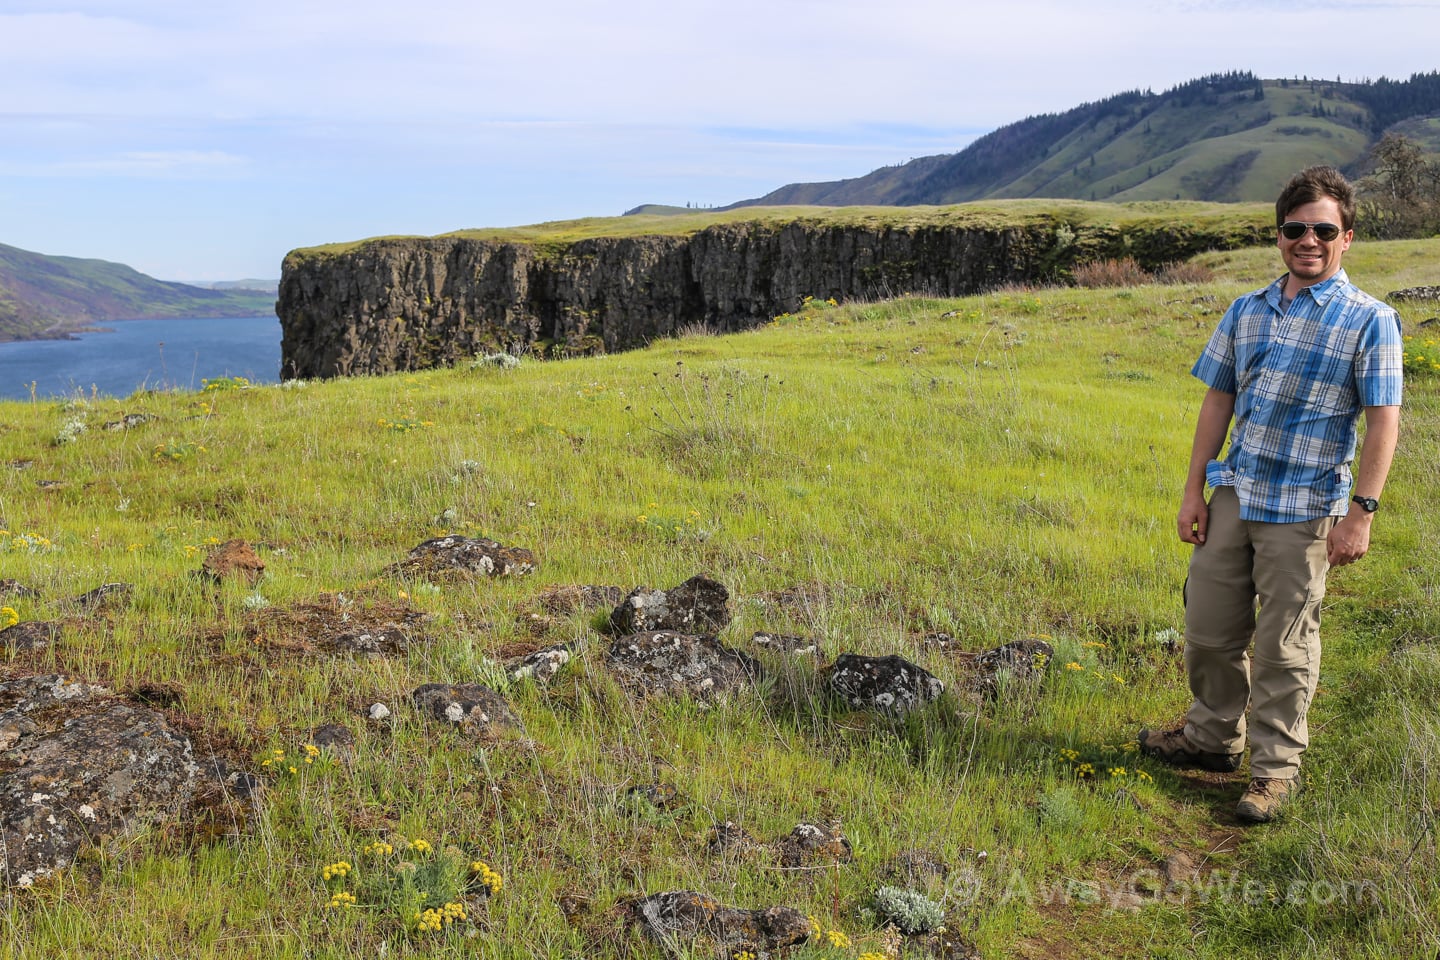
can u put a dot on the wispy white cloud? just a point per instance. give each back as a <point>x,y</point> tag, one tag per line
<point>297,121</point>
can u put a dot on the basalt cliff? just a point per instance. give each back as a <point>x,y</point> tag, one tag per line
<point>389,305</point>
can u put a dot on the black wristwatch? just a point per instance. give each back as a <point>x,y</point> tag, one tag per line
<point>1368,504</point>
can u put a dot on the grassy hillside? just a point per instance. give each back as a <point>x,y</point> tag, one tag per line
<point>1225,137</point>
<point>559,234</point>
<point>44,296</point>
<point>868,475</point>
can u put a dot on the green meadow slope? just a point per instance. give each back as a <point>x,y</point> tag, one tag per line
<point>922,477</point>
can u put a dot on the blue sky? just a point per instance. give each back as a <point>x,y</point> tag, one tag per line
<point>202,140</point>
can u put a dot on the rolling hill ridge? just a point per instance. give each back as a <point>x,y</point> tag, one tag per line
<point>1225,137</point>
<point>47,297</point>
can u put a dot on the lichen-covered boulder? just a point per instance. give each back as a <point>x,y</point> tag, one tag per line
<point>888,684</point>
<point>541,665</point>
<point>465,557</point>
<point>681,922</point>
<point>1020,660</point>
<point>473,706</point>
<point>811,843</point>
<point>80,767</point>
<point>665,662</point>
<point>697,606</point>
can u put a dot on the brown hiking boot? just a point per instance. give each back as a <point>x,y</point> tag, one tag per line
<point>1174,748</point>
<point>1264,798</point>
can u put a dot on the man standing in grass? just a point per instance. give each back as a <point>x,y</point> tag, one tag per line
<point>1290,369</point>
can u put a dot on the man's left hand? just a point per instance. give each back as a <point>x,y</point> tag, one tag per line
<point>1349,539</point>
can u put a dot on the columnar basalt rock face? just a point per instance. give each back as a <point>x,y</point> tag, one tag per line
<point>409,304</point>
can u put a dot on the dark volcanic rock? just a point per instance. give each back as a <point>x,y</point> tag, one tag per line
<point>699,605</point>
<point>1022,660</point>
<point>578,598</point>
<point>680,919</point>
<point>1414,293</point>
<point>811,843</point>
<point>729,838</point>
<point>664,662</point>
<point>471,705</point>
<point>888,684</point>
<point>10,587</point>
<point>106,595</point>
<point>787,644</point>
<point>79,767</point>
<point>128,421</point>
<point>456,556</point>
<point>30,635</point>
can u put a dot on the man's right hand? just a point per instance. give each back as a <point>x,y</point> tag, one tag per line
<point>1194,517</point>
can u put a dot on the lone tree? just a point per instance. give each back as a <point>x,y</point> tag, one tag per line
<point>1401,198</point>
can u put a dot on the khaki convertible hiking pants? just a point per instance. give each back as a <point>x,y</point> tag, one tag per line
<point>1260,581</point>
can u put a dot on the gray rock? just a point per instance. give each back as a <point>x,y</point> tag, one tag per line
<point>668,663</point>
<point>1020,660</point>
<point>888,684</point>
<point>30,635</point>
<point>378,712</point>
<point>456,556</point>
<point>10,587</point>
<point>80,767</point>
<point>334,738</point>
<point>697,606</point>
<point>470,705</point>
<point>107,594</point>
<point>540,666</point>
<point>729,838</point>
<point>679,921</point>
<point>786,644</point>
<point>128,421</point>
<point>1414,293</point>
<point>811,843</point>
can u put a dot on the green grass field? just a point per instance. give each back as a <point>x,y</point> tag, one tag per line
<point>995,468</point>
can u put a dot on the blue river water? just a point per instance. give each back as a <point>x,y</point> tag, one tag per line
<point>143,354</point>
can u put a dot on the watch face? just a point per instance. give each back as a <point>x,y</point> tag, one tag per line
<point>1368,504</point>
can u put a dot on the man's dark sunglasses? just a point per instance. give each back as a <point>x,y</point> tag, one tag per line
<point>1295,229</point>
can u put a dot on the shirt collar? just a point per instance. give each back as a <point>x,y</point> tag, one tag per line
<point>1321,292</point>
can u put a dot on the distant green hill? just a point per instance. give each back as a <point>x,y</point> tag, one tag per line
<point>1226,137</point>
<point>47,297</point>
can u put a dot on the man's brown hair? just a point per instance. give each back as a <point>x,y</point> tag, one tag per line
<point>1317,183</point>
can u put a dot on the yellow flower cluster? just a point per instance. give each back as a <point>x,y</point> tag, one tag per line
<point>379,848</point>
<point>276,758</point>
<point>342,899</point>
<point>29,542</point>
<point>311,752</point>
<point>404,424</point>
<point>488,877</point>
<point>815,928</point>
<point>1072,665</point>
<point>337,870</point>
<point>8,617</point>
<point>432,920</point>
<point>743,955</point>
<point>837,939</point>
<point>872,955</point>
<point>421,845</point>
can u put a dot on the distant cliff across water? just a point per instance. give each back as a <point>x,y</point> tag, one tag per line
<point>409,303</point>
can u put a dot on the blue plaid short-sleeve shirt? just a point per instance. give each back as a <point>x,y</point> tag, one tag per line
<point>1300,378</point>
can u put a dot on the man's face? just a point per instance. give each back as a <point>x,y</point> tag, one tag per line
<point>1310,259</point>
